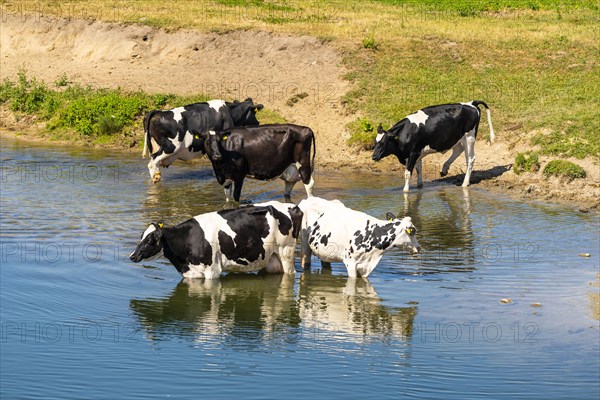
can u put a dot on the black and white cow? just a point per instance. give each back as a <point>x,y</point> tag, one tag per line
<point>431,130</point>
<point>334,232</point>
<point>179,134</point>
<point>239,240</point>
<point>262,152</point>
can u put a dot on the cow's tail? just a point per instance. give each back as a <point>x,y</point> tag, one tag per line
<point>314,146</point>
<point>147,141</point>
<point>476,103</point>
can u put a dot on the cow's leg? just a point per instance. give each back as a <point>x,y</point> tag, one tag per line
<point>309,187</point>
<point>237,189</point>
<point>410,165</point>
<point>351,267</point>
<point>153,170</point>
<point>287,259</point>
<point>305,251</point>
<point>469,155</point>
<point>228,189</point>
<point>325,264</point>
<point>288,189</point>
<point>419,168</point>
<point>306,175</point>
<point>456,150</point>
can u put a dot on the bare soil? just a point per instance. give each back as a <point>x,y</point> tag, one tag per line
<point>269,68</point>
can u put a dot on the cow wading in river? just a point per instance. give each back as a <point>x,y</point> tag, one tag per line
<point>334,232</point>
<point>245,239</point>
<point>431,130</point>
<point>179,134</point>
<point>262,152</point>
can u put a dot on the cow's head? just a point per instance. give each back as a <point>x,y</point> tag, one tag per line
<point>244,113</point>
<point>217,142</point>
<point>212,145</point>
<point>406,233</point>
<point>150,246</point>
<point>386,143</point>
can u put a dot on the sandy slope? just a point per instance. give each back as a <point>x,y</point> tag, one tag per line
<point>269,68</point>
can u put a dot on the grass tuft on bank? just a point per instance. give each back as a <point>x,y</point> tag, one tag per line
<point>99,115</point>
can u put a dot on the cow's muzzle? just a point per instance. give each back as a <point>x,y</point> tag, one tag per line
<point>135,257</point>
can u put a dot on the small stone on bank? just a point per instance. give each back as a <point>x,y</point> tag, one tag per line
<point>585,255</point>
<point>505,301</point>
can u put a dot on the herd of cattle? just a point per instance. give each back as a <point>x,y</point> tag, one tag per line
<point>263,236</point>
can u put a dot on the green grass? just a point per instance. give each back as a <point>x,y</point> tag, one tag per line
<point>526,163</point>
<point>564,168</point>
<point>100,115</point>
<point>533,61</point>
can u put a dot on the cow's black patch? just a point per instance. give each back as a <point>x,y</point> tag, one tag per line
<point>325,239</point>
<point>251,227</point>
<point>284,222</point>
<point>375,236</point>
<point>186,244</point>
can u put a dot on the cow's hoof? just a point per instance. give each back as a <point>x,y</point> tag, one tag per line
<point>156,177</point>
<point>442,174</point>
<point>465,185</point>
<point>420,185</point>
<point>406,190</point>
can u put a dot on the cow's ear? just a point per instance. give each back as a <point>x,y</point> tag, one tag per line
<point>296,215</point>
<point>232,143</point>
<point>248,99</point>
<point>380,129</point>
<point>259,107</point>
<point>390,216</point>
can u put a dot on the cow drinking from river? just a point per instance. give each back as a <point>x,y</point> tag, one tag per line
<point>431,130</point>
<point>245,239</point>
<point>179,134</point>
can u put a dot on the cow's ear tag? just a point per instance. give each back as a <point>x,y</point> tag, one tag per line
<point>224,137</point>
<point>196,137</point>
<point>256,109</point>
<point>160,225</point>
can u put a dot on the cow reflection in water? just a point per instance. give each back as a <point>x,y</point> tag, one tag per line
<point>443,216</point>
<point>251,309</point>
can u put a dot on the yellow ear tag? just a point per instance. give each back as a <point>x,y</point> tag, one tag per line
<point>224,137</point>
<point>196,137</point>
<point>160,225</point>
<point>256,110</point>
<point>391,219</point>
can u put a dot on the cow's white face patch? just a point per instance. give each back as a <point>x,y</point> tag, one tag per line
<point>379,137</point>
<point>148,231</point>
<point>418,118</point>
<point>212,133</point>
<point>216,104</point>
<point>177,113</point>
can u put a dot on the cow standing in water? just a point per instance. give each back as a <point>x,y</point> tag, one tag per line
<point>431,130</point>
<point>245,239</point>
<point>262,152</point>
<point>334,232</point>
<point>179,134</point>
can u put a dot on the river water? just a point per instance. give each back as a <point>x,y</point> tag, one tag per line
<point>79,320</point>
